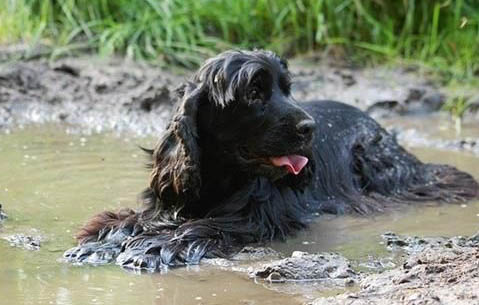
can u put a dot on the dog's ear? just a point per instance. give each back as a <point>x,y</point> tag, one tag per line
<point>175,177</point>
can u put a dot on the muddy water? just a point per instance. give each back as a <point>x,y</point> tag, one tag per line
<point>437,126</point>
<point>52,181</point>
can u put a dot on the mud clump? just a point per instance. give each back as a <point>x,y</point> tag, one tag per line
<point>3,215</point>
<point>266,264</point>
<point>302,273</point>
<point>302,266</point>
<point>414,244</point>
<point>25,241</point>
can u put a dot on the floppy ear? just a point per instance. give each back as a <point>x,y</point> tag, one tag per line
<point>175,177</point>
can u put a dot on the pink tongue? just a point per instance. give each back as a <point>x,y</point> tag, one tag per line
<point>294,163</point>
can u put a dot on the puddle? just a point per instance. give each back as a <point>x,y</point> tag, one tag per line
<point>51,182</point>
<point>436,131</point>
<point>438,125</point>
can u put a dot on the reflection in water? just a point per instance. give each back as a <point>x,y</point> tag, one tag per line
<point>53,182</point>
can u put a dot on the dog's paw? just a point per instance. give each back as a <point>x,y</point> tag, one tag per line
<point>140,262</point>
<point>96,253</point>
<point>151,252</point>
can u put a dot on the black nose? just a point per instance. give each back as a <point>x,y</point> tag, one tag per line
<point>305,128</point>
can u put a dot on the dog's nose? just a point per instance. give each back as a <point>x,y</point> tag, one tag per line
<point>305,128</point>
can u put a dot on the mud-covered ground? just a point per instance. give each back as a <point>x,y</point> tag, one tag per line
<point>435,271</point>
<point>123,96</point>
<point>88,93</point>
<point>93,95</point>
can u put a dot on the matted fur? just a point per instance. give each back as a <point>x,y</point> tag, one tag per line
<point>212,189</point>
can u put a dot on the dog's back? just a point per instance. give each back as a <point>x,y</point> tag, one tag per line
<point>360,167</point>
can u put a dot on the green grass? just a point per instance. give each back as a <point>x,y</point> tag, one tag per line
<point>457,108</point>
<point>443,34</point>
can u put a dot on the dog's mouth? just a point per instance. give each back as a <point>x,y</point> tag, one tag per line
<point>293,163</point>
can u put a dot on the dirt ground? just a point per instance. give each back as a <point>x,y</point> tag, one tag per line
<point>114,94</point>
<point>435,271</point>
<point>94,95</point>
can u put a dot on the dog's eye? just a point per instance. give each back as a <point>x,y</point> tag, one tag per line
<point>254,94</point>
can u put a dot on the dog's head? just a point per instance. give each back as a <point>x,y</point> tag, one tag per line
<point>240,103</point>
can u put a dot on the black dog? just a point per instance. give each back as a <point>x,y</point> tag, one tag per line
<point>241,162</point>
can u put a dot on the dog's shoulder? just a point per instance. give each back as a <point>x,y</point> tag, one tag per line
<point>328,106</point>
<point>336,118</point>
<point>335,112</point>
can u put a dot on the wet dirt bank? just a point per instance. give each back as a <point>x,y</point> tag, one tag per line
<point>434,271</point>
<point>89,93</point>
<point>96,95</point>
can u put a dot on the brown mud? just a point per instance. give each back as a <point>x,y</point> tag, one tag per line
<point>88,93</point>
<point>97,94</point>
<point>435,271</point>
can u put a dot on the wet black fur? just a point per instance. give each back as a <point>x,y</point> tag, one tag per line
<point>212,189</point>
